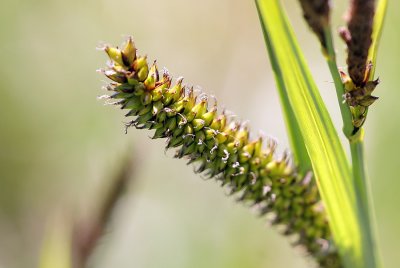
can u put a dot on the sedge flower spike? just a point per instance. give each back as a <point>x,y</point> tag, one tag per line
<point>222,149</point>
<point>358,38</point>
<point>317,13</point>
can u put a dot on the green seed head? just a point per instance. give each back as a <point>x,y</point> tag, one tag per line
<point>221,147</point>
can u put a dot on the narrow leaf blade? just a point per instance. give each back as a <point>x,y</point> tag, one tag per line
<point>379,19</point>
<point>327,156</point>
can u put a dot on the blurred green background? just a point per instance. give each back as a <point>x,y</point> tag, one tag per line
<point>59,145</point>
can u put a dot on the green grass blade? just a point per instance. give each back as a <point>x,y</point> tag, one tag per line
<point>327,156</point>
<point>296,139</point>
<point>376,33</point>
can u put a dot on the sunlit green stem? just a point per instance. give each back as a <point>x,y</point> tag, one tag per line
<point>357,156</point>
<point>361,186</point>
<point>369,250</point>
<point>331,60</point>
<point>379,18</point>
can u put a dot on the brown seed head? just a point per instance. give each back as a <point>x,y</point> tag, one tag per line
<point>316,13</point>
<point>360,20</point>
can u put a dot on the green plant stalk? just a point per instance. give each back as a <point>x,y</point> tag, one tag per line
<point>331,60</point>
<point>362,193</point>
<point>355,138</point>
<point>359,173</point>
<point>357,142</point>
<point>357,147</point>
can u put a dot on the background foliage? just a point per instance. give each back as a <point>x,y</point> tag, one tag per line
<point>59,146</point>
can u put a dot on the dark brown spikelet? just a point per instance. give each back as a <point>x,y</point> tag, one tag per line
<point>222,149</point>
<point>316,13</point>
<point>358,39</point>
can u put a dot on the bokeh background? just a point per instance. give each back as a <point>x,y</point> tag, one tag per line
<point>59,145</point>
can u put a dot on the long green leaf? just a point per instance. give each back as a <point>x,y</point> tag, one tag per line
<point>379,19</point>
<point>296,139</point>
<point>327,156</point>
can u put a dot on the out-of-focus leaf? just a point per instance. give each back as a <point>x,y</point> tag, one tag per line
<point>56,248</point>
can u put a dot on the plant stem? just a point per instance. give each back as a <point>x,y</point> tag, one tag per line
<point>361,187</point>
<point>357,157</point>
<point>356,140</point>
<point>331,60</point>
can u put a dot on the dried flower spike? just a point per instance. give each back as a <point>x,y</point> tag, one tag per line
<point>358,39</point>
<point>316,13</point>
<point>222,149</point>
